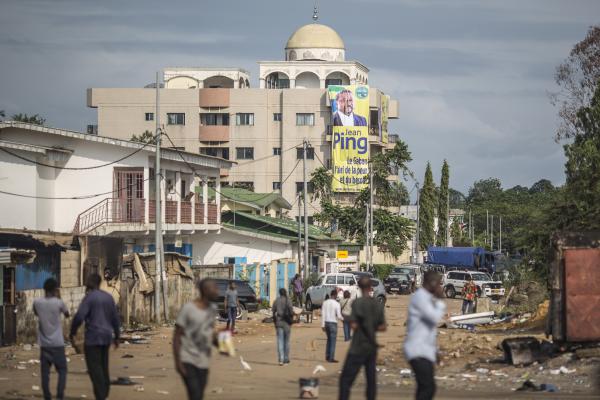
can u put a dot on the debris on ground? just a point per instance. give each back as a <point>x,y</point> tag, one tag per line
<point>245,365</point>
<point>123,381</point>
<point>319,368</point>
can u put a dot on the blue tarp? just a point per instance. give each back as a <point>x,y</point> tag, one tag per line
<point>465,257</point>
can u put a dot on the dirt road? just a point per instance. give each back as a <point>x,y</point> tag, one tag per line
<point>151,365</point>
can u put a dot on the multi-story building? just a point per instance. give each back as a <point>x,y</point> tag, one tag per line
<point>216,112</point>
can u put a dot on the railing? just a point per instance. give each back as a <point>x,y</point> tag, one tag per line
<point>186,212</point>
<point>110,211</point>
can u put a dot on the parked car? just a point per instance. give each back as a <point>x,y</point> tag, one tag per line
<point>315,295</point>
<point>379,290</point>
<point>414,270</point>
<point>398,283</point>
<point>246,296</point>
<point>454,281</point>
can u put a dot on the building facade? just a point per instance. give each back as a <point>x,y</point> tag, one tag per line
<point>215,112</point>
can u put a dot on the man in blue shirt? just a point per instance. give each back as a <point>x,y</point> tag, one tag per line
<point>99,312</point>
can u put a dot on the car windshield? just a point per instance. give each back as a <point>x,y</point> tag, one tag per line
<point>400,270</point>
<point>480,277</point>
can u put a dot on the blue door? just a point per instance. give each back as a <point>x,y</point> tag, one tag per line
<point>264,282</point>
<point>281,276</point>
<point>291,272</point>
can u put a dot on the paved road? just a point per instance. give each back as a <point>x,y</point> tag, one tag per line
<point>227,381</point>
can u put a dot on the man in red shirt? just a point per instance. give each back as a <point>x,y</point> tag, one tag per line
<point>469,295</point>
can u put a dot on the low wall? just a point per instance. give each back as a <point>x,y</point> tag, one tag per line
<point>27,321</point>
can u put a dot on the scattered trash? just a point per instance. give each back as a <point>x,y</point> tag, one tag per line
<point>309,388</point>
<point>35,387</point>
<point>139,388</point>
<point>226,344</point>
<point>529,386</point>
<point>562,370</point>
<point>405,372</point>
<point>245,365</point>
<point>27,347</point>
<point>136,377</point>
<point>473,319</point>
<point>162,392</point>
<point>21,367</point>
<point>498,373</point>
<point>468,376</point>
<point>482,370</point>
<point>32,361</point>
<point>319,368</point>
<point>217,390</point>
<point>521,351</point>
<point>127,356</point>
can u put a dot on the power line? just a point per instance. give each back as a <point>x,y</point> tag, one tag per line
<point>75,168</point>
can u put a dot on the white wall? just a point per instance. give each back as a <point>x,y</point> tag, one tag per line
<point>212,248</point>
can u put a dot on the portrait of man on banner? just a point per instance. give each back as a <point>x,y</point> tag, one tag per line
<point>345,116</point>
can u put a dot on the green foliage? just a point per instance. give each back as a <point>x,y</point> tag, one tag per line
<point>35,119</point>
<point>457,199</point>
<point>145,137</point>
<point>443,200</point>
<point>427,205</point>
<point>382,271</point>
<point>393,231</point>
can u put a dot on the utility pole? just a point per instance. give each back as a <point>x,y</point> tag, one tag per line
<point>418,221</point>
<point>305,195</point>
<point>300,236</point>
<point>492,235</point>
<point>471,226</point>
<point>370,241</point>
<point>500,241</point>
<point>367,238</point>
<point>448,218</point>
<point>158,208</point>
<point>487,226</point>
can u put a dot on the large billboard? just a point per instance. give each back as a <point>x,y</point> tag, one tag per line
<point>383,117</point>
<point>350,137</point>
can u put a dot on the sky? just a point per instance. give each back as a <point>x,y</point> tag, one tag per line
<point>472,76</point>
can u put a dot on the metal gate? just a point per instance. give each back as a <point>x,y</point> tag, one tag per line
<point>128,205</point>
<point>582,294</point>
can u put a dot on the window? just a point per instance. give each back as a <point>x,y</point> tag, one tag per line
<point>349,280</point>
<point>305,119</point>
<point>225,153</point>
<point>310,153</point>
<point>244,119</point>
<point>277,117</point>
<point>452,275</point>
<point>332,82</point>
<point>214,119</point>
<point>276,151</point>
<point>276,185</point>
<point>330,280</point>
<point>210,151</point>
<point>244,185</point>
<point>300,187</point>
<point>149,116</point>
<point>244,153</point>
<point>310,220</point>
<point>175,118</point>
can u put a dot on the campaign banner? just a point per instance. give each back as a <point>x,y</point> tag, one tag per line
<point>350,137</point>
<point>383,117</point>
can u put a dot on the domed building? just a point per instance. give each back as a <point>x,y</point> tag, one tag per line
<point>315,57</point>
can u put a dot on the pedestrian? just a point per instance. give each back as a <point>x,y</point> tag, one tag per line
<point>283,313</point>
<point>232,303</point>
<point>425,311</point>
<point>50,337</point>
<point>346,307</point>
<point>194,337</point>
<point>367,318</point>
<point>469,295</point>
<point>99,312</point>
<point>298,289</point>
<point>331,314</point>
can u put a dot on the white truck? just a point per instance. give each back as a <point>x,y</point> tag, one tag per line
<point>315,295</point>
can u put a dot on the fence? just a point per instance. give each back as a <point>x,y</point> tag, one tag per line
<point>267,279</point>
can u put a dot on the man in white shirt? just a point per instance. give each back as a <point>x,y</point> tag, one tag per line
<point>331,314</point>
<point>425,311</point>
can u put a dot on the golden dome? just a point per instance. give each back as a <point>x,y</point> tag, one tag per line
<point>315,36</point>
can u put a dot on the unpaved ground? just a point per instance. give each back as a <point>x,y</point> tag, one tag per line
<point>152,367</point>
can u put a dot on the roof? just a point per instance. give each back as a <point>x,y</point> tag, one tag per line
<point>281,227</point>
<point>315,36</point>
<point>252,199</point>
<point>166,153</point>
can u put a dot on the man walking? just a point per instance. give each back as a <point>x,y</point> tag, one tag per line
<point>98,311</point>
<point>283,318</point>
<point>298,289</point>
<point>425,311</point>
<point>367,318</point>
<point>331,314</point>
<point>194,337</point>
<point>50,337</point>
<point>231,305</point>
<point>469,295</point>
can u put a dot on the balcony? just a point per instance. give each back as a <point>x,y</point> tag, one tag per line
<point>129,215</point>
<point>214,133</point>
<point>214,97</point>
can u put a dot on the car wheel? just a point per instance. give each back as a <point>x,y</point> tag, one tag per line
<point>381,299</point>
<point>450,292</point>
<point>309,304</point>
<point>240,311</point>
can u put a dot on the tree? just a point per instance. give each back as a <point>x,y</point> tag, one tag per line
<point>457,199</point>
<point>427,205</point>
<point>145,137</point>
<point>393,231</point>
<point>443,202</point>
<point>541,186</point>
<point>2,114</point>
<point>484,189</point>
<point>35,119</point>
<point>577,78</point>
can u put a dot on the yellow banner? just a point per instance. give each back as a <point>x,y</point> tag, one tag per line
<point>383,115</point>
<point>341,254</point>
<point>350,137</point>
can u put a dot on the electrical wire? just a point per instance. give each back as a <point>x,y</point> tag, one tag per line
<point>76,168</point>
<point>83,197</point>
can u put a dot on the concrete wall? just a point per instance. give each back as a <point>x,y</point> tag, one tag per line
<point>27,322</point>
<point>70,269</point>
<point>212,248</point>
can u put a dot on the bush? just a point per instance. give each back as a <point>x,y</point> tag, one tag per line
<point>382,271</point>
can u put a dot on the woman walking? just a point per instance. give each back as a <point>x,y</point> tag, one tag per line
<point>346,305</point>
